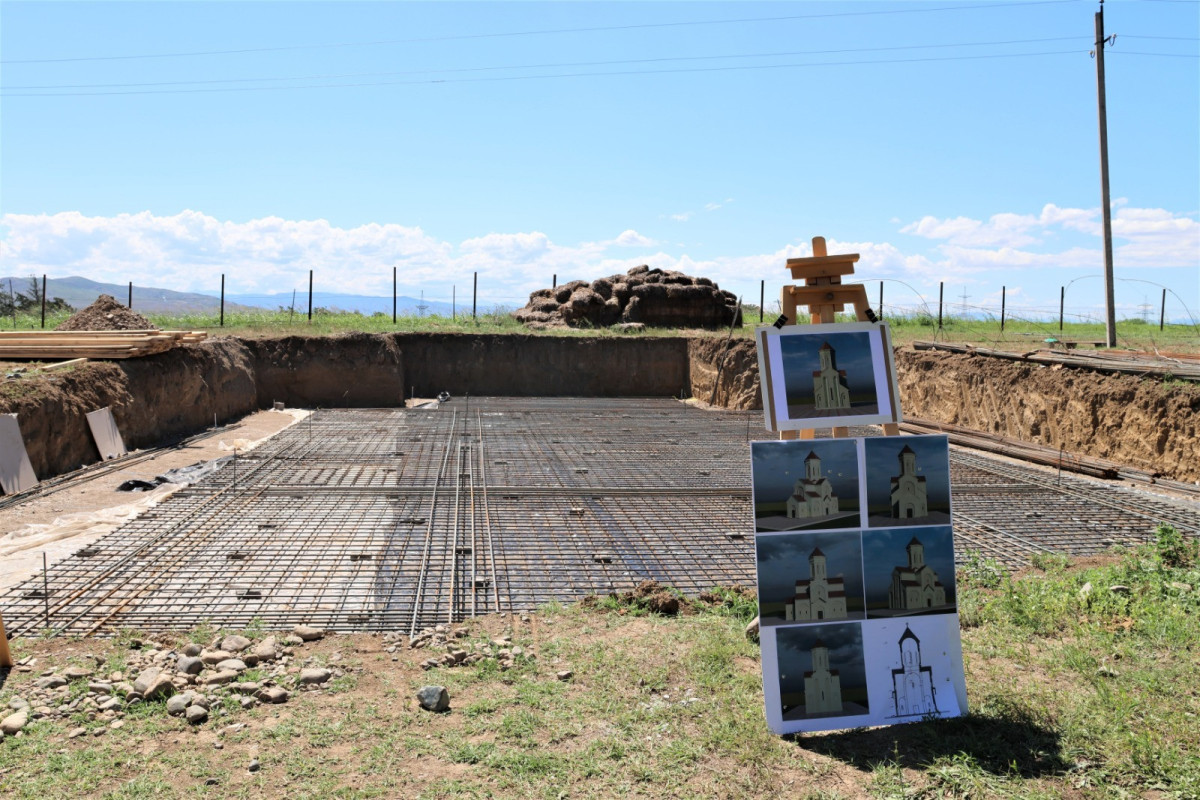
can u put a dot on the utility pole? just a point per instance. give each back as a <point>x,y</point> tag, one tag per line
<point>1110,320</point>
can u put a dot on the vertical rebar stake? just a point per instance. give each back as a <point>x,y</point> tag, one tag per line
<point>46,588</point>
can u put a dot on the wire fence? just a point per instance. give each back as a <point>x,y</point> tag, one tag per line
<point>313,295</point>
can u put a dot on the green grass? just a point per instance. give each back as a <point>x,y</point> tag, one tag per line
<point>1081,682</point>
<point>1017,334</point>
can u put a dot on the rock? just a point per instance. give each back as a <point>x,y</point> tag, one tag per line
<point>50,682</point>
<point>434,698</point>
<point>272,694</point>
<point>265,650</point>
<point>235,664</point>
<point>247,702</point>
<point>246,687</point>
<point>564,675</point>
<point>308,634</point>
<point>1119,589</point>
<point>189,665</point>
<point>112,704</point>
<point>195,714</point>
<point>314,675</point>
<point>1108,672</point>
<point>1085,591</point>
<point>162,687</point>
<point>179,703</point>
<point>752,630</point>
<point>218,678</point>
<point>193,650</point>
<point>18,703</point>
<point>13,723</point>
<point>100,687</point>
<point>146,679</point>
<point>292,639</point>
<point>254,765</point>
<point>76,673</point>
<point>235,643</point>
<point>212,657</point>
<point>116,724</point>
<point>76,733</point>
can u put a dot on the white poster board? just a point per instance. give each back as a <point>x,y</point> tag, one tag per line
<point>16,472</point>
<point>857,597</point>
<point>105,433</point>
<point>824,376</point>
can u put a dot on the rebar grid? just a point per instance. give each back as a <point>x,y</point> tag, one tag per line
<point>393,519</point>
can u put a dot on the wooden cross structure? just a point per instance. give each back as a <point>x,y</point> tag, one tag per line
<point>824,294</point>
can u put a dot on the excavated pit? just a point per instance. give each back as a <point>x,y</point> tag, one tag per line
<point>585,475</point>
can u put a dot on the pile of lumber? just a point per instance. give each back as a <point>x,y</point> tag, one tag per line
<point>1174,365</point>
<point>60,345</point>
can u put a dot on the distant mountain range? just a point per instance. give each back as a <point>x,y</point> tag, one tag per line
<point>81,292</point>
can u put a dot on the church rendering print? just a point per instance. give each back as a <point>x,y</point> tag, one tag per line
<point>858,624</point>
<point>827,375</point>
<point>806,485</point>
<point>908,480</point>
<point>808,578</point>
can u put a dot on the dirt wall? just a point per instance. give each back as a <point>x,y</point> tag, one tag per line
<point>732,365</point>
<point>152,399</point>
<point>358,370</point>
<point>525,366</point>
<point>1143,423</point>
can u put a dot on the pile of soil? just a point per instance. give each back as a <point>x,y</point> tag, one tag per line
<point>106,314</point>
<point>641,296</point>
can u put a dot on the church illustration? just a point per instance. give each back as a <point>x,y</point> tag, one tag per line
<point>813,494</point>
<point>915,586</point>
<point>912,684</point>
<point>910,498</point>
<point>830,389</point>
<point>822,685</point>
<point>820,597</point>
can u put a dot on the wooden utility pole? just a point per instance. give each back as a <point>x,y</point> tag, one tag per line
<point>1110,319</point>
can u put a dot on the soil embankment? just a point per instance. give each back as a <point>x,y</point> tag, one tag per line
<point>1141,422</point>
<point>1144,423</point>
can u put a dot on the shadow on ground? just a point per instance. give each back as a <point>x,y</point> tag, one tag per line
<point>998,746</point>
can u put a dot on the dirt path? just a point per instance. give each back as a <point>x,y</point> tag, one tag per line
<point>85,512</point>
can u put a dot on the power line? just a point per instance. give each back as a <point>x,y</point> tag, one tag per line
<point>544,77</point>
<point>548,31</point>
<point>557,65</point>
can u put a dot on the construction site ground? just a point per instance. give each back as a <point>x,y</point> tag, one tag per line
<point>396,519</point>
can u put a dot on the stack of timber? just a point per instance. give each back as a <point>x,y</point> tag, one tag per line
<point>1028,451</point>
<point>60,345</point>
<point>1163,365</point>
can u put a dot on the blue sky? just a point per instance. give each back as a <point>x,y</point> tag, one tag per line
<point>503,138</point>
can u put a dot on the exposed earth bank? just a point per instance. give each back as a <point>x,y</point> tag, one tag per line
<point>1145,423</point>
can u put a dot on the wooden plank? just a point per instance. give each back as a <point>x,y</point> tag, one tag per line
<point>74,362</point>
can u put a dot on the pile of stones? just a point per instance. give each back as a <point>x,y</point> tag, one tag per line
<point>195,681</point>
<point>458,651</point>
<point>641,297</point>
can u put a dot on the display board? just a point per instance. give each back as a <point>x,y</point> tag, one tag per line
<point>856,586</point>
<point>827,375</point>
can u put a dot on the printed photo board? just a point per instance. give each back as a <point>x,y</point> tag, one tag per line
<point>823,376</point>
<point>857,598</point>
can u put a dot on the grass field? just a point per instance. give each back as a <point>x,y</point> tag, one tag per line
<point>1132,334</point>
<point>1081,679</point>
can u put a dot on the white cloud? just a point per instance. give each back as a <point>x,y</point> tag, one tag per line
<point>632,238</point>
<point>683,216</point>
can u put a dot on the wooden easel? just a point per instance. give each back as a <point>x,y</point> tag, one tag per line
<point>825,295</point>
<point>6,659</point>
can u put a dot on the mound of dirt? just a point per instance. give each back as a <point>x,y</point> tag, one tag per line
<point>647,296</point>
<point>106,314</point>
